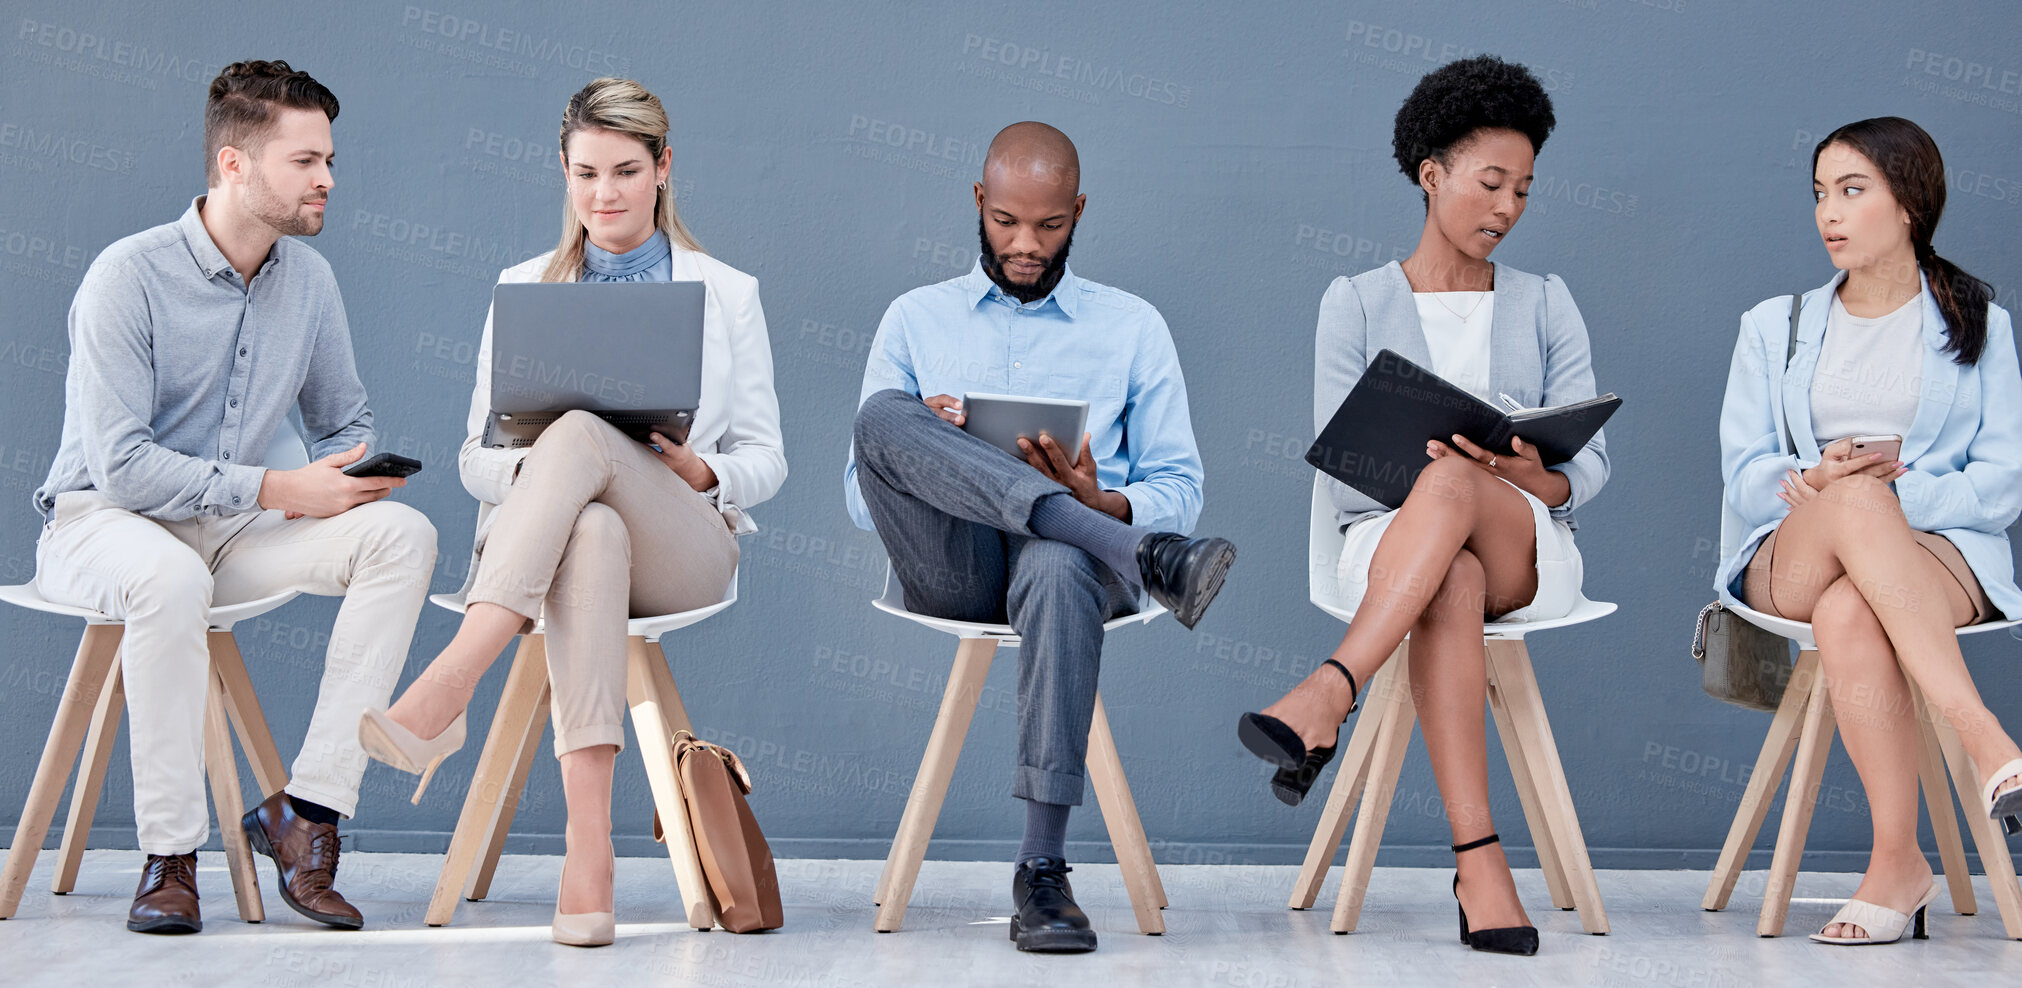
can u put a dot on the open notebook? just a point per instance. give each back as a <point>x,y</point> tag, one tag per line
<point>1376,441</point>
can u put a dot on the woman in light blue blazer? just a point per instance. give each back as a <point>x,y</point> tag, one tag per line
<point>1884,552</point>
<point>1482,534</point>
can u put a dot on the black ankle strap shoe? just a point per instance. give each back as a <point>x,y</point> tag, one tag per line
<point>1044,917</point>
<point>1519,940</point>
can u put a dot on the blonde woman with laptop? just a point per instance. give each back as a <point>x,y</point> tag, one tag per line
<point>587,526</point>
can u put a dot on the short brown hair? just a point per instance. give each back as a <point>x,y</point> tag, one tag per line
<point>241,105</point>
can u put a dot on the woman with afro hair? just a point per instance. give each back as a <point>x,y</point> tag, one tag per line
<point>1484,535</point>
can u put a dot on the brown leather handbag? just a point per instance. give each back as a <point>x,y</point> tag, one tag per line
<point>736,861</point>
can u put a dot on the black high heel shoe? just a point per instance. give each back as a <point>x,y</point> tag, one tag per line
<point>1520,940</point>
<point>1274,741</point>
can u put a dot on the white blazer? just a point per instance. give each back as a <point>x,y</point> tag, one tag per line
<point>736,428</point>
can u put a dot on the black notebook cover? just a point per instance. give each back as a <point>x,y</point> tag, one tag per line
<point>1376,441</point>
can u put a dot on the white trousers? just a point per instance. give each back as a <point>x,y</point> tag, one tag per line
<point>161,577</point>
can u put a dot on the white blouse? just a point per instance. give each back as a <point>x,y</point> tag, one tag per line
<point>1870,373</point>
<point>1456,328</point>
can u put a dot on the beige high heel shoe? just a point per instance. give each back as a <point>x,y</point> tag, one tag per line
<point>582,929</point>
<point>2005,805</point>
<point>384,739</point>
<point>1883,925</point>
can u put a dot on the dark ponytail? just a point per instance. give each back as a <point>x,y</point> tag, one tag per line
<point>1915,172</point>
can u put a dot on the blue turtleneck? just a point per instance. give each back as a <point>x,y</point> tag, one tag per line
<point>650,261</point>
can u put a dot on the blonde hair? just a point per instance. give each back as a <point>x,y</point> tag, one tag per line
<point>620,106</point>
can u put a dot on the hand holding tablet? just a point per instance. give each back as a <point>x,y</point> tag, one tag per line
<point>1002,420</point>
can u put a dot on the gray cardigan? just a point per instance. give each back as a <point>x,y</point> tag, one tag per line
<point>1539,356</point>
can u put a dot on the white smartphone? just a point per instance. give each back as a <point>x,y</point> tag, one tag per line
<point>1891,447</point>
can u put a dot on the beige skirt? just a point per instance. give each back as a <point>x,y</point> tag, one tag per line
<point>1755,579</point>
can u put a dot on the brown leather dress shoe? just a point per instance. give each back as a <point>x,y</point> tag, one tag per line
<point>305,854</point>
<point>166,901</point>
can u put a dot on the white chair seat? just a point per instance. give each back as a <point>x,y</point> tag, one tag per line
<point>222,616</point>
<point>894,603</point>
<point>1800,632</point>
<point>649,628</point>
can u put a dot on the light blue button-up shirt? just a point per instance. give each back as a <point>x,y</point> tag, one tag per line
<point>1084,341</point>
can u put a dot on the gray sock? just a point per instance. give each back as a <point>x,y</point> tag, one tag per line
<point>1063,519</point>
<point>1045,831</point>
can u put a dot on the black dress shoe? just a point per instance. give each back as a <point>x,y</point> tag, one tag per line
<point>166,901</point>
<point>1184,574</point>
<point>1045,918</point>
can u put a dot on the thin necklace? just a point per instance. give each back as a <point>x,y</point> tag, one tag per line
<point>1464,317</point>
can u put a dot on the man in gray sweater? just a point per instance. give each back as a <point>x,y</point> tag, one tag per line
<point>190,342</point>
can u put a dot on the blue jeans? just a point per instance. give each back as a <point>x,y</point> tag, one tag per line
<point>953,512</point>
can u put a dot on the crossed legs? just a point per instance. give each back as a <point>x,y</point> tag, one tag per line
<point>595,529</point>
<point>1882,608</point>
<point>1461,548</point>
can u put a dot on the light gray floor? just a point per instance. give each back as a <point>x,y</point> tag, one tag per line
<point>1227,926</point>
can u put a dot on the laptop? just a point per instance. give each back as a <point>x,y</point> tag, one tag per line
<point>630,352</point>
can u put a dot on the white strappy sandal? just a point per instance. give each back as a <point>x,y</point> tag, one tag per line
<point>1883,925</point>
<point>2005,806</point>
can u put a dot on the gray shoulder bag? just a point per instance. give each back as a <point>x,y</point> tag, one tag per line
<point>1740,663</point>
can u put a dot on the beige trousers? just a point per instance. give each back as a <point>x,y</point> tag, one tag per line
<point>161,577</point>
<point>597,529</point>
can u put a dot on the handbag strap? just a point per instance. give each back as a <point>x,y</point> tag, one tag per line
<point>1789,350</point>
<point>1700,629</point>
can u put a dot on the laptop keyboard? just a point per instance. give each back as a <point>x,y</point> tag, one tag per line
<point>630,423</point>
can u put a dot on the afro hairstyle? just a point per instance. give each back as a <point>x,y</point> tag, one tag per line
<point>1459,98</point>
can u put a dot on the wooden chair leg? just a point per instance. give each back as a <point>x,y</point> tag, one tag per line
<point>1987,834</point>
<point>1126,831</point>
<point>1813,745</point>
<point>1524,771</point>
<point>1944,823</point>
<point>247,719</point>
<point>930,786</point>
<point>1510,673</point>
<point>95,653</point>
<point>1763,780</point>
<point>671,707</point>
<point>84,795</point>
<point>1149,868</point>
<point>1349,778</point>
<point>650,695</point>
<point>521,747</point>
<point>524,685</point>
<point>1393,737</point>
<point>223,768</point>
<point>522,750</point>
